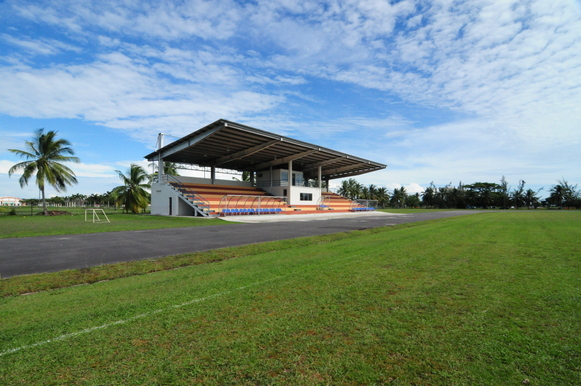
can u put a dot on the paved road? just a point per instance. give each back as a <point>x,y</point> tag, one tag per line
<point>20,256</point>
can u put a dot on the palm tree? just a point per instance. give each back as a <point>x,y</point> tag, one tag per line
<point>531,198</point>
<point>78,199</point>
<point>429,195</point>
<point>44,155</point>
<point>245,177</point>
<point>398,197</point>
<point>382,197</point>
<point>344,189</point>
<point>351,189</point>
<point>518,195</point>
<point>107,197</point>
<point>365,193</point>
<point>132,193</point>
<point>169,169</point>
<point>564,194</point>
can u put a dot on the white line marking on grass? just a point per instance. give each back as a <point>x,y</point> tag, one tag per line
<point>141,316</point>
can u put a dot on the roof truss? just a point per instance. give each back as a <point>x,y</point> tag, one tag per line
<point>283,160</point>
<point>234,146</point>
<point>244,153</point>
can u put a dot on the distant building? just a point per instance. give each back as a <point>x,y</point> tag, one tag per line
<point>10,201</point>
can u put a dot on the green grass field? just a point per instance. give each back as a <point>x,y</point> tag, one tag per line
<point>491,299</point>
<point>414,210</point>
<point>26,226</point>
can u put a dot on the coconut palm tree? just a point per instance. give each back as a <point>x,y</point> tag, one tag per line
<point>169,169</point>
<point>344,188</point>
<point>398,197</point>
<point>245,177</point>
<point>531,198</point>
<point>518,195</point>
<point>132,194</point>
<point>351,189</point>
<point>372,192</point>
<point>429,195</point>
<point>44,155</point>
<point>564,194</point>
<point>364,193</point>
<point>382,197</point>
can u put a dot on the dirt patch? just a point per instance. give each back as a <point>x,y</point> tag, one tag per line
<point>56,213</point>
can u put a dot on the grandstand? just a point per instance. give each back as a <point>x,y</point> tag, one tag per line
<point>287,176</point>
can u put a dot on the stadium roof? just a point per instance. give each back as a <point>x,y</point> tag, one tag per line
<point>231,145</point>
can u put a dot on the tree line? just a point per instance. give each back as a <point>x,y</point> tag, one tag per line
<point>45,155</point>
<point>77,200</point>
<point>484,195</point>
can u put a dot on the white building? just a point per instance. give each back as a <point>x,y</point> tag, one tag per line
<point>10,201</point>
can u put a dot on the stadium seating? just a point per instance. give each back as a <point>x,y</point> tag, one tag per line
<point>226,200</point>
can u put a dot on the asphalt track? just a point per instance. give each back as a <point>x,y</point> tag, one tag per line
<point>28,255</point>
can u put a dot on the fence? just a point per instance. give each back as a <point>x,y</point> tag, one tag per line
<point>242,204</point>
<point>361,205</point>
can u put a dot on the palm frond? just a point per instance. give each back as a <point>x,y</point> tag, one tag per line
<point>45,154</point>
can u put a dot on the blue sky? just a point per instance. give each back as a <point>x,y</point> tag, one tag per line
<point>442,91</point>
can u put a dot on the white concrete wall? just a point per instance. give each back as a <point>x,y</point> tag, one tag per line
<point>295,198</point>
<point>296,195</point>
<point>296,191</point>
<point>184,209</point>
<point>160,194</point>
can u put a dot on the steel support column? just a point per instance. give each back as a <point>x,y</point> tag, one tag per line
<point>290,181</point>
<point>160,160</point>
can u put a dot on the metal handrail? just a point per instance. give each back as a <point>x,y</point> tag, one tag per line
<point>232,201</point>
<point>363,204</point>
<point>284,182</point>
<point>197,198</point>
<point>324,202</point>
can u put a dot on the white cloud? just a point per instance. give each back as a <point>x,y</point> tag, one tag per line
<point>92,170</point>
<point>119,92</point>
<point>167,20</point>
<point>505,60</point>
<point>5,165</point>
<point>485,61</point>
<point>39,46</point>
<point>511,70</point>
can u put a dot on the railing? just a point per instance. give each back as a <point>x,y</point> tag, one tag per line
<point>362,205</point>
<point>324,202</point>
<point>199,203</point>
<point>297,182</point>
<point>243,204</point>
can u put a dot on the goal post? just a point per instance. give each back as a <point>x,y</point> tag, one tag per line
<point>95,216</point>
